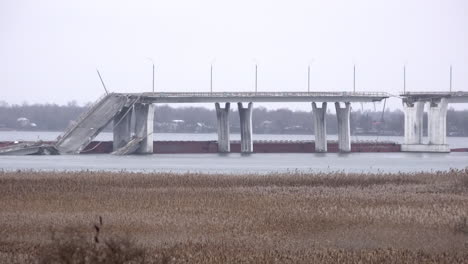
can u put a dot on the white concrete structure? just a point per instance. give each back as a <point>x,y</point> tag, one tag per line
<point>77,136</point>
<point>267,97</point>
<point>122,127</point>
<point>425,148</point>
<point>245,116</point>
<point>413,122</point>
<point>344,134</point>
<point>144,118</point>
<point>320,127</point>
<point>437,124</point>
<point>222,116</point>
<point>451,97</point>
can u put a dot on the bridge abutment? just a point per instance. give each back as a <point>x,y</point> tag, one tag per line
<point>222,115</point>
<point>122,130</point>
<point>320,127</point>
<point>344,131</point>
<point>245,116</point>
<point>144,119</point>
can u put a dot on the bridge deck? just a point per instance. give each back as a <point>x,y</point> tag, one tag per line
<point>184,97</point>
<point>88,126</point>
<point>452,97</point>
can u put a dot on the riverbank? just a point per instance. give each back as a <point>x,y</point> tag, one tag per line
<point>294,217</point>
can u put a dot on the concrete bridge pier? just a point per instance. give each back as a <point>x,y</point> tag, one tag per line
<point>320,126</point>
<point>222,115</point>
<point>437,125</point>
<point>122,127</point>
<point>344,131</point>
<point>144,118</point>
<point>245,115</point>
<point>413,122</point>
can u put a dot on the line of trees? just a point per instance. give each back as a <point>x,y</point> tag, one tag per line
<point>52,117</point>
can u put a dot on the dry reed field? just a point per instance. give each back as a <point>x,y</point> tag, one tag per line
<point>103,217</point>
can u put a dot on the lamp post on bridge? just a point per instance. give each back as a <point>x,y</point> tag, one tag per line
<point>256,76</point>
<point>308,75</point>
<point>211,74</point>
<point>152,62</point>
<point>450,78</point>
<point>211,78</point>
<point>153,77</point>
<point>102,81</point>
<point>354,78</point>
<point>404,79</point>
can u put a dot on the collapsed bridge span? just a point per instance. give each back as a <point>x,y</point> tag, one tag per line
<point>79,134</point>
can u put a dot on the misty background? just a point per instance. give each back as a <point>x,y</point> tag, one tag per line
<point>53,117</point>
<point>49,50</point>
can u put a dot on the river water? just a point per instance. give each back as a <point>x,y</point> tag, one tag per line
<point>235,162</point>
<point>454,142</point>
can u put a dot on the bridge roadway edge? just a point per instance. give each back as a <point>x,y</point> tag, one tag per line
<point>230,97</point>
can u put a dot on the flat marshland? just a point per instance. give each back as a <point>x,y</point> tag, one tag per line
<point>283,218</point>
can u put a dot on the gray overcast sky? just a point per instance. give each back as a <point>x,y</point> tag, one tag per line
<point>49,50</point>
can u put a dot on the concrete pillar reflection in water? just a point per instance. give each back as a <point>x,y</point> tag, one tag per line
<point>144,118</point>
<point>245,115</point>
<point>320,127</point>
<point>437,122</point>
<point>122,127</point>
<point>222,115</point>
<point>344,134</point>
<point>413,122</point>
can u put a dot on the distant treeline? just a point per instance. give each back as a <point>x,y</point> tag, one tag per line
<point>52,117</point>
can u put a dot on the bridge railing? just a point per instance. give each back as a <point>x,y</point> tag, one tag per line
<point>457,93</point>
<point>266,94</point>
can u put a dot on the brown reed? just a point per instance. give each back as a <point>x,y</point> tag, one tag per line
<point>200,218</point>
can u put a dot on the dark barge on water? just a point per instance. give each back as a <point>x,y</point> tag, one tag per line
<point>259,146</point>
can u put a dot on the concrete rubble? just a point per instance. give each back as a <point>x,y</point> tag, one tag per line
<point>35,148</point>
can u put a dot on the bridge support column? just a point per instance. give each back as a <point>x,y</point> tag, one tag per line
<point>437,125</point>
<point>122,127</point>
<point>320,126</point>
<point>413,122</point>
<point>144,118</point>
<point>245,115</point>
<point>344,134</point>
<point>222,115</point>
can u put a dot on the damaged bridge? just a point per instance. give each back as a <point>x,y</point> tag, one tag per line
<point>118,109</point>
<point>132,114</point>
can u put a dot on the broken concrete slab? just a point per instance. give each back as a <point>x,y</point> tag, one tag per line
<point>27,148</point>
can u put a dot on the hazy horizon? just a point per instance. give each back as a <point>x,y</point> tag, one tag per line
<point>50,49</point>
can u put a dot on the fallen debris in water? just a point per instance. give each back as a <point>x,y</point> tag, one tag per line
<point>28,148</point>
<point>129,148</point>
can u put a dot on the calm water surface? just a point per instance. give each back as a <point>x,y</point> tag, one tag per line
<point>237,163</point>
<point>454,142</point>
